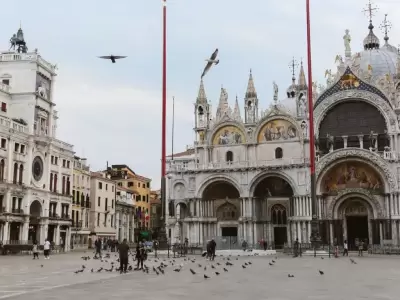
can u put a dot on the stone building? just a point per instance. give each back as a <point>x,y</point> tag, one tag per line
<point>248,176</point>
<point>80,203</point>
<point>102,206</point>
<point>35,167</point>
<point>125,214</point>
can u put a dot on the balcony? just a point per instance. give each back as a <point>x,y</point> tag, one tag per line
<point>32,56</point>
<point>238,164</point>
<point>76,225</point>
<point>17,211</point>
<point>65,217</point>
<point>53,215</point>
<point>6,122</point>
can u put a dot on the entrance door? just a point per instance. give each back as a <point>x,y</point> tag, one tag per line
<point>280,237</point>
<point>229,231</point>
<point>357,228</point>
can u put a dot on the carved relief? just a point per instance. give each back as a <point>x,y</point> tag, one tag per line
<point>227,212</point>
<point>351,175</point>
<point>229,135</point>
<point>361,154</point>
<point>276,130</point>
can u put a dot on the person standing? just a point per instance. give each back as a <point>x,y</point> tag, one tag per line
<point>140,254</point>
<point>360,248</point>
<point>213,246</point>
<point>46,249</point>
<point>97,245</point>
<point>296,248</point>
<point>345,248</point>
<point>35,250</point>
<point>123,250</point>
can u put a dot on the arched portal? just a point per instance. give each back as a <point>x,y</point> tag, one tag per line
<point>354,120</point>
<point>35,212</point>
<point>272,198</point>
<point>220,201</point>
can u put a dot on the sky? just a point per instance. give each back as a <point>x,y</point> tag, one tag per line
<point>112,112</point>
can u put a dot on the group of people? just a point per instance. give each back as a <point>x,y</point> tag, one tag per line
<point>46,249</point>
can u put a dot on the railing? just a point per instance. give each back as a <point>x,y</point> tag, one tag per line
<point>17,211</point>
<point>238,164</point>
<point>62,145</point>
<point>6,122</point>
<point>65,217</point>
<point>53,215</point>
<point>27,57</point>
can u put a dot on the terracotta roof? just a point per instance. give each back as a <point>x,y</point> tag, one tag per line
<point>184,153</point>
<point>155,201</point>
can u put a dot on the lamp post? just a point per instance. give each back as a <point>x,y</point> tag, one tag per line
<point>315,237</point>
<point>162,235</point>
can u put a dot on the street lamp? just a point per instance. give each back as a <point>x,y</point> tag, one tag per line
<point>315,237</point>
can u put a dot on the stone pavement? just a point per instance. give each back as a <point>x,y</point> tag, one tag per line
<point>371,278</point>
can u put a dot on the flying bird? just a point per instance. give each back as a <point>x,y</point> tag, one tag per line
<point>212,60</point>
<point>113,58</point>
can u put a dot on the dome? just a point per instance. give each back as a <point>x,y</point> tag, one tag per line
<point>381,60</point>
<point>288,105</point>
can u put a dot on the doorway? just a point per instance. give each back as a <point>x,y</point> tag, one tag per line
<point>280,237</point>
<point>229,231</point>
<point>357,229</point>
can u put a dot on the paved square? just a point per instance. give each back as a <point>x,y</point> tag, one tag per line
<point>371,278</point>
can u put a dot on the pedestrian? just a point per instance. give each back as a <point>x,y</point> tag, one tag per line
<point>244,245</point>
<point>345,248</point>
<point>360,248</point>
<point>213,246</point>
<point>123,250</point>
<point>140,254</point>
<point>46,249</point>
<point>35,250</point>
<point>296,248</point>
<point>97,245</point>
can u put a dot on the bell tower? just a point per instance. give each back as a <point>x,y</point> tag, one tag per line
<point>301,95</point>
<point>250,102</point>
<point>202,114</point>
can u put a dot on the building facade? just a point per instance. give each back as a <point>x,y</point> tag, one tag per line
<point>155,212</point>
<point>125,214</point>
<point>102,211</point>
<point>248,177</point>
<point>35,167</point>
<point>140,187</point>
<point>80,203</point>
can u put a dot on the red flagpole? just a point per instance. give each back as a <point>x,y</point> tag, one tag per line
<point>315,237</point>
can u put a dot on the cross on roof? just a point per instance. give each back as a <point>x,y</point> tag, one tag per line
<point>293,65</point>
<point>370,11</point>
<point>386,25</point>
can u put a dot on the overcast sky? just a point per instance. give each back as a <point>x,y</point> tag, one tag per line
<point>111,112</point>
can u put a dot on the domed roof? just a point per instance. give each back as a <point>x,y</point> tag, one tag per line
<point>381,60</point>
<point>288,105</point>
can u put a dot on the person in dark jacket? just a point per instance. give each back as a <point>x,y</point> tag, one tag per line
<point>123,250</point>
<point>140,255</point>
<point>213,246</point>
<point>97,245</point>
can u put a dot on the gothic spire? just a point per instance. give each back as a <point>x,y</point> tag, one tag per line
<point>371,41</point>
<point>201,97</point>
<point>251,90</point>
<point>223,105</point>
<point>302,78</point>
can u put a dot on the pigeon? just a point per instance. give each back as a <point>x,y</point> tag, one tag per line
<point>177,270</point>
<point>193,272</point>
<point>216,273</point>
<point>320,272</point>
<point>353,261</point>
<point>322,257</point>
<point>205,268</point>
<point>243,266</point>
<point>273,261</point>
<point>91,270</point>
<point>79,271</point>
<point>212,267</point>
<point>205,276</point>
<point>199,265</point>
<point>229,264</point>
<point>41,266</point>
<point>290,276</point>
<point>99,270</point>
<point>245,263</point>
<point>218,264</point>
<point>249,262</point>
<point>113,58</point>
<point>271,264</point>
<point>212,60</point>
<point>225,270</point>
<point>155,271</point>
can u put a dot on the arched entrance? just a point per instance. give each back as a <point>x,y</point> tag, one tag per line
<point>35,212</point>
<point>220,201</point>
<point>180,231</point>
<point>355,213</point>
<point>272,196</point>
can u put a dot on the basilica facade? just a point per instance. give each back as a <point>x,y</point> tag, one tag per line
<point>247,177</point>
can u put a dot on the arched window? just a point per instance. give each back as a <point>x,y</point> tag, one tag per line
<point>278,153</point>
<point>2,164</point>
<point>201,111</point>
<point>229,156</point>
<point>21,173</point>
<point>51,181</point>
<point>15,174</point>
<point>278,215</point>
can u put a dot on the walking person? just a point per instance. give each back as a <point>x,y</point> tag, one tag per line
<point>123,250</point>
<point>140,255</point>
<point>97,245</point>
<point>296,248</point>
<point>213,246</point>
<point>46,249</point>
<point>360,248</point>
<point>345,248</point>
<point>35,250</point>
<point>244,245</point>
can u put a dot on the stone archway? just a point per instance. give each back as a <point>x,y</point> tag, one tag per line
<point>35,209</point>
<point>35,213</point>
<point>271,201</point>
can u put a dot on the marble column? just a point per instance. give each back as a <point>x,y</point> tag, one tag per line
<point>361,140</point>
<point>309,231</point>
<point>298,225</point>
<point>330,232</point>
<point>288,239</point>
<point>344,137</point>
<point>381,233</point>
<point>25,230</point>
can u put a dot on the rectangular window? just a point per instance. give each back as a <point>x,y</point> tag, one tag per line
<point>112,188</point>
<point>130,184</point>
<point>22,149</point>
<point>4,106</point>
<point>100,185</point>
<point>148,185</point>
<point>98,202</point>
<point>3,143</point>
<point>106,205</point>
<point>98,219</point>
<point>138,198</point>
<point>16,147</point>
<point>56,160</point>
<point>14,203</point>
<point>112,221</point>
<point>112,203</point>
<point>143,185</point>
<point>6,81</point>
<point>147,198</point>
<point>106,187</point>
